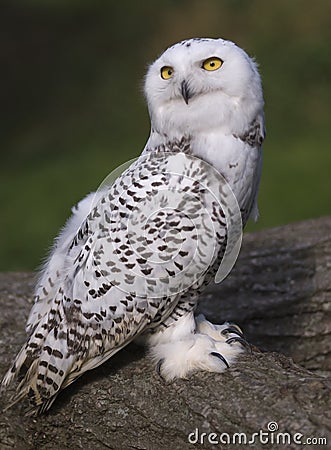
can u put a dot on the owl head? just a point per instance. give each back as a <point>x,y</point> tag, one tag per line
<point>199,85</point>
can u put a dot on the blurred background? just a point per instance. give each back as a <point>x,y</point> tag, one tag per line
<point>72,107</point>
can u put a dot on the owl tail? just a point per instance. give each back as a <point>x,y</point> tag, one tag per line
<point>41,369</point>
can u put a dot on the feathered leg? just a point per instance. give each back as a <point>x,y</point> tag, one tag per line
<point>191,344</point>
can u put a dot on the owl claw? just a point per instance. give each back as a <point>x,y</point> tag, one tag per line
<point>158,367</point>
<point>218,355</point>
<point>232,329</point>
<point>239,339</point>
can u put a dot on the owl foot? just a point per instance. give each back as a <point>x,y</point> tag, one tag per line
<point>212,348</point>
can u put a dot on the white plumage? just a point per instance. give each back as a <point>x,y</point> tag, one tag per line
<point>131,261</point>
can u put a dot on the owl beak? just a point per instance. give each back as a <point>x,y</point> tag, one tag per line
<point>185,91</point>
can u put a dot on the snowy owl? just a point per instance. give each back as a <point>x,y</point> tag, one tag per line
<point>131,261</point>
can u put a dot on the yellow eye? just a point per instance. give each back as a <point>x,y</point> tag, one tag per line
<point>212,63</point>
<point>167,72</point>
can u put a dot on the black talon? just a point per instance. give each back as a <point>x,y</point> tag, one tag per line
<point>218,355</point>
<point>158,367</point>
<point>233,330</point>
<point>242,341</point>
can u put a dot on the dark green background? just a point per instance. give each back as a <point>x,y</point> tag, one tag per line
<point>72,107</point>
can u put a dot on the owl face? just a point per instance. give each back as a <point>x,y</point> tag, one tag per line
<point>201,83</point>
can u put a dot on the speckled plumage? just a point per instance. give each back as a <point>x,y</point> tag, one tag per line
<point>134,256</point>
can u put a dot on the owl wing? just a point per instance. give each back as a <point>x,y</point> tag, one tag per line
<point>259,134</point>
<point>253,138</point>
<point>51,273</point>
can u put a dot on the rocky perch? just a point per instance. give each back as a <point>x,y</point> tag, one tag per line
<point>279,293</point>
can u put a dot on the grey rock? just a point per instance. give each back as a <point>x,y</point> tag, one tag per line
<point>279,293</point>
